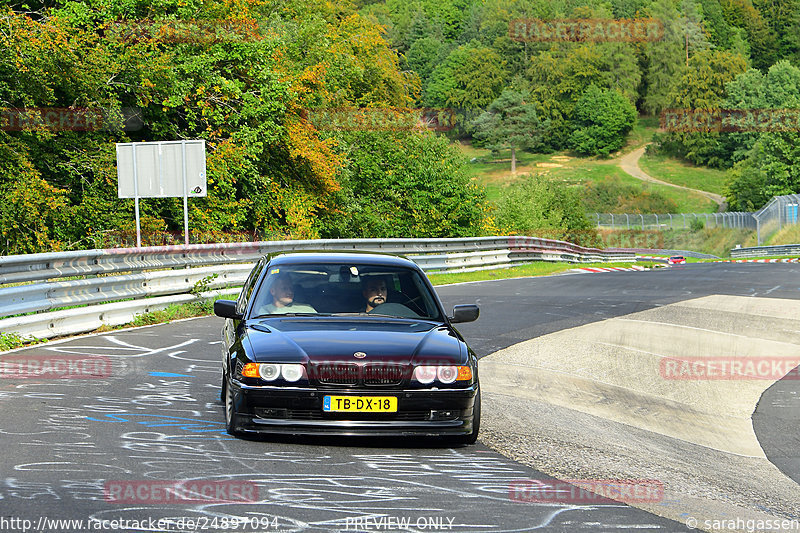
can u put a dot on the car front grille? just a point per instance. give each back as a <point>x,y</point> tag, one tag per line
<point>335,374</point>
<point>353,374</point>
<point>384,374</point>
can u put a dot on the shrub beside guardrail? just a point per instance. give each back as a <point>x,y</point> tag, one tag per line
<point>153,278</point>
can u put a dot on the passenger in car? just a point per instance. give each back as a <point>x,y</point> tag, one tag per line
<point>282,293</point>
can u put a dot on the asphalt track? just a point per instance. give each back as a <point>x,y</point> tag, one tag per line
<point>157,417</point>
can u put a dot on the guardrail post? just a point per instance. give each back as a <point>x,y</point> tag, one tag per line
<point>612,220</point>
<point>627,221</point>
<point>658,226</point>
<point>641,215</point>
<point>670,220</point>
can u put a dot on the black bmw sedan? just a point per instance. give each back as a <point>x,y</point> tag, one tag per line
<point>346,344</point>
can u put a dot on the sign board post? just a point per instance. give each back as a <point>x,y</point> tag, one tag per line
<point>164,169</point>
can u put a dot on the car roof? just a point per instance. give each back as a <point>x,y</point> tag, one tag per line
<point>336,256</point>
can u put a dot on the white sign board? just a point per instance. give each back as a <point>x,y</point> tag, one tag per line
<point>163,169</point>
<point>157,170</point>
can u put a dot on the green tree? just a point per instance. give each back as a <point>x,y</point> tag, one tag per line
<point>783,18</point>
<point>509,122</point>
<point>471,77</point>
<point>760,37</point>
<point>702,87</point>
<point>424,55</point>
<point>558,78</point>
<point>541,207</point>
<point>403,185</point>
<point>601,119</point>
<point>767,160</point>
<point>666,57</point>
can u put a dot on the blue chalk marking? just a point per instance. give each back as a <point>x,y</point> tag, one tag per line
<point>169,375</point>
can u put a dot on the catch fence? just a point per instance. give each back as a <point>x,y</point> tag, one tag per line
<point>667,221</point>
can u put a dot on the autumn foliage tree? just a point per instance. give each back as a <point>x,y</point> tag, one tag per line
<point>241,74</point>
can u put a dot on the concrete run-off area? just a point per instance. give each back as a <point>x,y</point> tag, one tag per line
<point>598,401</point>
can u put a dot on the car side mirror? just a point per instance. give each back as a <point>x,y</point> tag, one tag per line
<point>465,313</point>
<point>226,309</point>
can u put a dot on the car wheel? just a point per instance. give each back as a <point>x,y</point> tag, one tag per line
<point>472,437</point>
<point>231,420</point>
<point>222,390</point>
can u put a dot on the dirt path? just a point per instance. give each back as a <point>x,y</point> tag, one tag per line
<point>629,163</point>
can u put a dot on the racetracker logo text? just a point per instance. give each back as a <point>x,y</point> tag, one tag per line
<point>190,491</point>
<point>70,119</point>
<point>730,120</point>
<point>729,368</point>
<point>380,119</point>
<point>586,491</point>
<point>55,367</point>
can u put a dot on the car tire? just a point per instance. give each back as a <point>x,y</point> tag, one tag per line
<point>231,420</point>
<point>472,436</point>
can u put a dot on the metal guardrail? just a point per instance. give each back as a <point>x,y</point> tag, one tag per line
<point>34,267</point>
<point>766,251</point>
<point>154,277</point>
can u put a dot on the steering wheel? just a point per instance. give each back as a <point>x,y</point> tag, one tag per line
<point>394,309</point>
<point>413,303</point>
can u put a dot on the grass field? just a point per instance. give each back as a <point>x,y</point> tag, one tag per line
<point>540,268</point>
<point>642,133</point>
<point>680,173</point>
<point>494,173</point>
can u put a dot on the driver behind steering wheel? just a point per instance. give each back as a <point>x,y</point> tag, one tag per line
<point>374,292</point>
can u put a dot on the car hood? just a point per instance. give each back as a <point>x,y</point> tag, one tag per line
<point>326,340</point>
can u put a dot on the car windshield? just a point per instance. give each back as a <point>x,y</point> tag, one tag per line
<point>344,289</point>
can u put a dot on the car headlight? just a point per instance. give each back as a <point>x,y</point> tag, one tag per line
<point>447,374</point>
<point>269,372</point>
<point>425,374</point>
<point>292,373</point>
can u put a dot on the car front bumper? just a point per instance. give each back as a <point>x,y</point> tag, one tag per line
<point>298,411</point>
